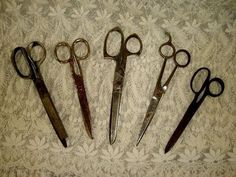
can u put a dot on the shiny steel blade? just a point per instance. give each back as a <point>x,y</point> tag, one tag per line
<point>116,98</point>
<point>114,117</point>
<point>148,117</point>
<point>51,111</point>
<point>83,104</point>
<point>182,125</point>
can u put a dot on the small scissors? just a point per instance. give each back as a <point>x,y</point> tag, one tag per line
<point>78,78</point>
<point>200,95</point>
<point>37,78</point>
<point>118,81</point>
<point>161,89</point>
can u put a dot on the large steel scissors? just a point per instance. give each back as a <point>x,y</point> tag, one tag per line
<point>74,61</point>
<point>200,95</point>
<point>35,75</point>
<point>118,81</point>
<point>161,89</point>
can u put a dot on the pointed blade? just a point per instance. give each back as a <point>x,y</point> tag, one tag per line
<point>51,110</point>
<point>84,104</point>
<point>181,126</point>
<point>148,117</point>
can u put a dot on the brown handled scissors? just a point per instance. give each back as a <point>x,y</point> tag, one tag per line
<point>161,89</point>
<point>120,60</point>
<point>200,95</point>
<point>73,60</point>
<point>35,75</point>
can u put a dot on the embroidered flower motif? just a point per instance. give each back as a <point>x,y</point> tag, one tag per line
<point>38,144</point>
<point>62,21</point>
<point>13,7</point>
<point>148,23</point>
<point>231,28</point>
<point>133,7</point>
<point>213,27</point>
<point>232,155</point>
<point>112,163</point>
<point>80,14</point>
<point>189,156</point>
<point>13,140</point>
<point>111,5</point>
<point>158,11</point>
<point>137,163</point>
<point>103,16</point>
<point>162,157</point>
<point>87,4</point>
<point>111,154</point>
<point>86,151</point>
<point>126,20</point>
<point>172,23</point>
<point>214,156</point>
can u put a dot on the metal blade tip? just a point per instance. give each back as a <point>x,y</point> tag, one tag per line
<point>63,141</point>
<point>138,141</point>
<point>167,149</point>
<point>90,135</point>
<point>112,139</point>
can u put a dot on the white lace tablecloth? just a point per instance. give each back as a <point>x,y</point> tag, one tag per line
<point>29,146</point>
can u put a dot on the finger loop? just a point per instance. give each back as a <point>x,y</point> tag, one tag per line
<point>135,36</point>
<point>188,58</point>
<point>62,44</point>
<point>222,86</point>
<point>81,40</point>
<point>105,52</point>
<point>204,83</point>
<point>35,44</point>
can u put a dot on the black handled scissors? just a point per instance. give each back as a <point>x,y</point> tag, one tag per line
<point>120,60</point>
<point>161,89</point>
<point>37,78</point>
<point>73,60</point>
<point>199,97</point>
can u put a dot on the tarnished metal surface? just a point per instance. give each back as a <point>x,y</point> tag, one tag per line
<point>161,89</point>
<point>120,59</point>
<point>73,60</point>
<point>37,78</point>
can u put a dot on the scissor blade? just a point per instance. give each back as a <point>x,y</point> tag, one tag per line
<point>116,98</point>
<point>148,117</point>
<point>182,125</point>
<point>114,116</point>
<point>51,111</point>
<point>83,104</point>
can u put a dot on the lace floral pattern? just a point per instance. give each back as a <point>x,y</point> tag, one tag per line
<point>28,144</point>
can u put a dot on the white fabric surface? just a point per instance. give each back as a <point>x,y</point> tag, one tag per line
<point>28,144</point>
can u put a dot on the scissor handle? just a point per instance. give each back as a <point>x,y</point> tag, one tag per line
<point>135,36</point>
<point>168,43</point>
<point>207,83</point>
<point>105,53</point>
<point>14,57</point>
<point>77,41</point>
<point>187,61</point>
<point>63,44</point>
<point>31,47</point>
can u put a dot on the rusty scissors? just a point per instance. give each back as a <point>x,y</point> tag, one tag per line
<point>118,81</point>
<point>161,89</point>
<point>200,95</point>
<point>35,75</point>
<point>74,61</point>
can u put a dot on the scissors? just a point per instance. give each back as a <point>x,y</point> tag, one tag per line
<point>35,75</point>
<point>199,97</point>
<point>78,78</point>
<point>118,81</point>
<point>161,89</point>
